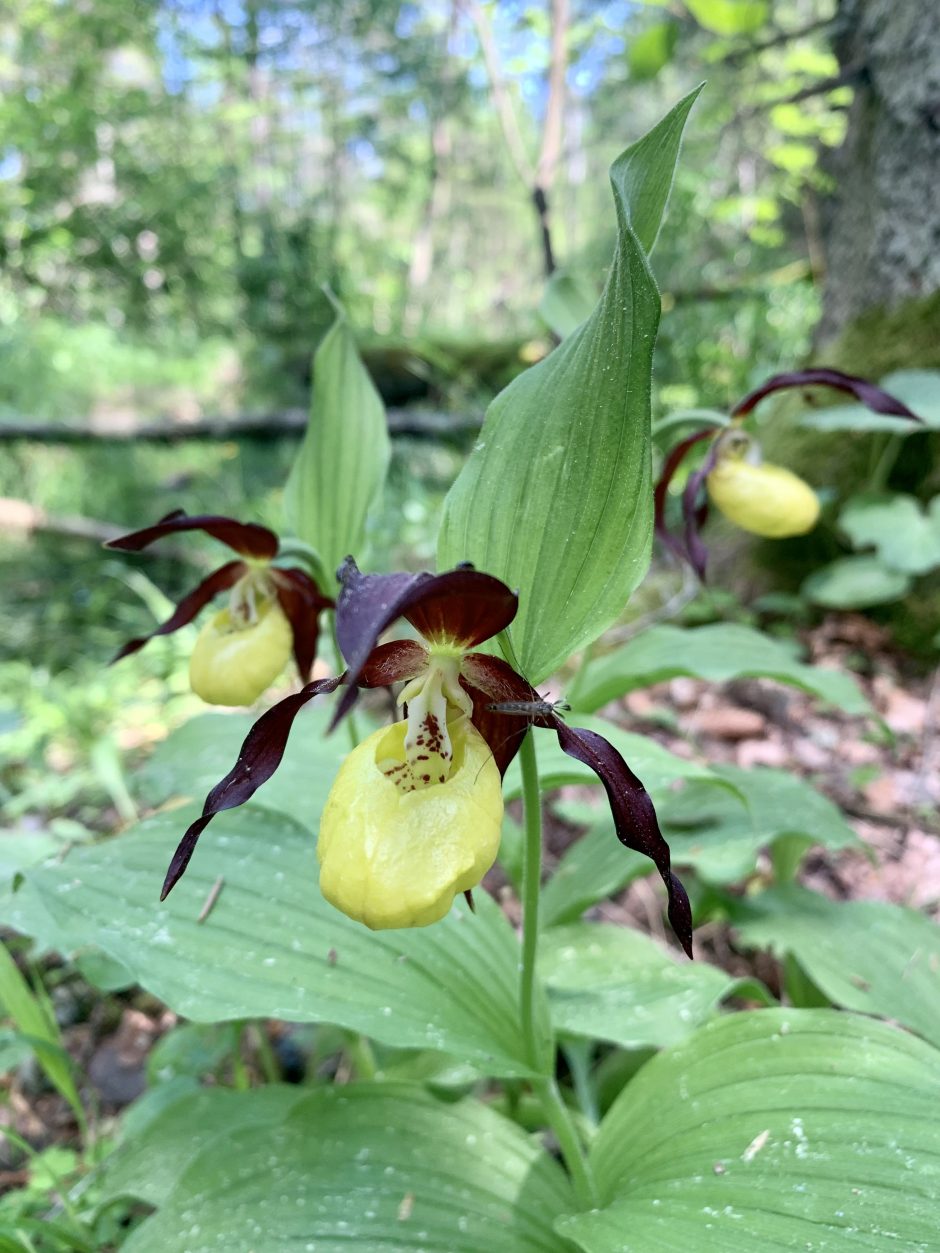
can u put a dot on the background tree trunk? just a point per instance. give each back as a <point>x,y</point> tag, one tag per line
<point>881,226</point>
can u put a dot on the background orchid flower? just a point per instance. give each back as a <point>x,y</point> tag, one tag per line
<point>414,815</point>
<point>272,611</point>
<point>759,497</point>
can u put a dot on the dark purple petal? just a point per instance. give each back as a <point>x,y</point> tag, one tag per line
<point>394,662</point>
<point>246,538</point>
<point>189,606</point>
<point>675,458</point>
<point>871,396</point>
<point>302,602</point>
<point>259,757</point>
<point>488,681</point>
<point>634,816</point>
<point>695,512</point>
<point>461,607</point>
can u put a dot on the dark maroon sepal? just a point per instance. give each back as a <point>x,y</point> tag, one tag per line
<point>634,816</point>
<point>189,606</point>
<point>490,681</point>
<point>462,607</point>
<point>394,662</point>
<point>672,463</point>
<point>246,538</point>
<point>695,512</point>
<point>302,602</point>
<point>872,397</point>
<point>258,758</point>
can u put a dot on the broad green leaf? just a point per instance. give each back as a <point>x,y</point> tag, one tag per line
<point>272,947</point>
<point>375,1167</point>
<point>720,837</point>
<point>774,1129</point>
<point>566,303</point>
<point>556,497</point>
<point>194,757</point>
<point>152,1165</point>
<point>855,583</point>
<point>19,848</point>
<point>649,51</point>
<point>595,867</point>
<point>610,983</point>
<point>35,1021</point>
<point>864,955</point>
<point>656,766</point>
<point>920,391</point>
<point>342,462</point>
<point>729,17</point>
<point>718,653</point>
<point>904,536</point>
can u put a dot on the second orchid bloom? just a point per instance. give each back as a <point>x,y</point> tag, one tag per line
<point>272,611</point>
<point>415,813</point>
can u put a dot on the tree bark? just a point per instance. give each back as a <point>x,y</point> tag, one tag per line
<point>882,226</point>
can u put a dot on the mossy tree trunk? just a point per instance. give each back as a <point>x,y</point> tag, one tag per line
<point>882,222</point>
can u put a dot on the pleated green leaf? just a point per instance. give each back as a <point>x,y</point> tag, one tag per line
<point>718,653</point>
<point>382,1168</point>
<point>199,753</point>
<point>151,1165</point>
<point>775,1129</point>
<point>864,955</point>
<point>720,833</point>
<point>271,946</point>
<point>343,459</point>
<point>655,765</point>
<point>610,983</point>
<point>556,497</point>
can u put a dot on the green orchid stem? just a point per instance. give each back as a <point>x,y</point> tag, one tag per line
<point>558,1117</point>
<point>556,1112</point>
<point>531,889</point>
<point>884,459</point>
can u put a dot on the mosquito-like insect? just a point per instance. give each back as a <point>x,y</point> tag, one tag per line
<point>530,708</point>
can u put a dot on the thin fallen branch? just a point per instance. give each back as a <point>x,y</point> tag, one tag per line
<point>420,424</point>
<point>20,515</point>
<point>738,55</point>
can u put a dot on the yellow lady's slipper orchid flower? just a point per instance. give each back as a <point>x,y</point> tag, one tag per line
<point>233,661</point>
<point>394,852</point>
<point>764,499</point>
<point>272,611</point>
<point>415,813</point>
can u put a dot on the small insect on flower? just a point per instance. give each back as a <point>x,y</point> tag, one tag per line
<point>531,708</point>
<point>415,813</point>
